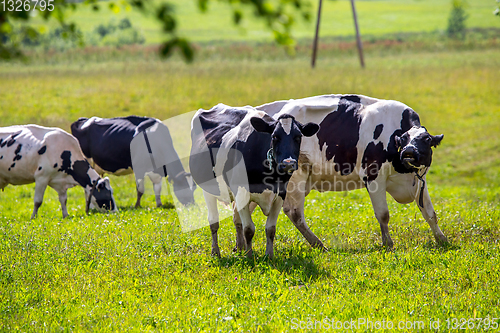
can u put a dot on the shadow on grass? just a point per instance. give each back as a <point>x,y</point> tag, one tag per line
<point>440,247</point>
<point>167,205</point>
<point>300,267</point>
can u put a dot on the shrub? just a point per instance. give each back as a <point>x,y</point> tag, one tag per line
<point>456,20</point>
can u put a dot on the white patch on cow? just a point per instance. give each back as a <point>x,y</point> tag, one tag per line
<point>290,159</point>
<point>265,200</point>
<point>190,182</point>
<point>89,122</point>
<point>287,125</point>
<point>415,132</point>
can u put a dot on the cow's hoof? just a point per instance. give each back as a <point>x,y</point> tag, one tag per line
<point>238,247</point>
<point>269,256</point>
<point>216,253</point>
<point>250,254</point>
<point>319,245</point>
<point>388,244</point>
<point>441,240</point>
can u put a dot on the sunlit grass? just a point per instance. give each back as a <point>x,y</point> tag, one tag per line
<point>136,270</point>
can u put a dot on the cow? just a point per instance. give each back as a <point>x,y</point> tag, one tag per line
<point>362,142</point>
<point>224,137</point>
<point>49,156</point>
<point>106,142</point>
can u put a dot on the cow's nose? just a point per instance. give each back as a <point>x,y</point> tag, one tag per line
<point>288,165</point>
<point>409,156</point>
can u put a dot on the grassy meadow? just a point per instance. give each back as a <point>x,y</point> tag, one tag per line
<point>375,18</point>
<point>137,271</point>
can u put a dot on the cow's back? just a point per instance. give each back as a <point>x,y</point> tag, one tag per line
<point>107,141</point>
<point>356,135</point>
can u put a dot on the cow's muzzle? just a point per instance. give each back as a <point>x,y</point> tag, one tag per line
<point>288,165</point>
<point>409,157</point>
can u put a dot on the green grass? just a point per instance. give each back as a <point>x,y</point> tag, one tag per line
<point>136,270</point>
<point>375,18</point>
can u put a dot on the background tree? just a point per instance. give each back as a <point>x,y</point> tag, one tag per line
<point>456,20</point>
<point>279,16</point>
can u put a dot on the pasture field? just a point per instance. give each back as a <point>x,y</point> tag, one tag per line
<point>136,270</point>
<point>375,18</point>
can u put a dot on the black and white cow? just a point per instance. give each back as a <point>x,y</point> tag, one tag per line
<point>362,142</point>
<point>222,139</point>
<point>107,145</point>
<point>50,157</point>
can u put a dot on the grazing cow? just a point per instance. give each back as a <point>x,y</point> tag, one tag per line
<point>362,142</point>
<point>50,156</point>
<point>107,145</point>
<point>224,137</point>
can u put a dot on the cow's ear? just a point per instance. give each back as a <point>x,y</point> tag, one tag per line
<point>436,139</point>
<point>261,125</point>
<point>106,181</point>
<point>309,129</point>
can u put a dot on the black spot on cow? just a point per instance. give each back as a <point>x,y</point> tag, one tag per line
<point>352,98</point>
<point>42,150</point>
<point>78,171</point>
<point>340,131</point>
<point>373,158</point>
<point>12,165</point>
<point>393,154</point>
<point>17,151</point>
<point>378,131</point>
<point>39,168</point>
<point>409,119</point>
<point>12,139</point>
<point>1,157</point>
<point>55,165</point>
<point>2,143</point>
<point>214,122</point>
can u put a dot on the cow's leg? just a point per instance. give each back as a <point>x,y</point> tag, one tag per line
<point>242,202</point>
<point>240,238</point>
<point>213,220</point>
<point>63,199</point>
<point>140,191</point>
<point>40,186</point>
<point>294,208</point>
<point>378,198</point>
<point>430,216</point>
<point>248,229</point>
<point>272,218</point>
<point>156,180</point>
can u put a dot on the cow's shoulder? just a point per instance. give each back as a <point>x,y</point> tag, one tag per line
<point>220,120</point>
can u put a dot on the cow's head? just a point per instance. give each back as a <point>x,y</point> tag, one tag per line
<point>286,137</point>
<point>415,147</point>
<point>184,187</point>
<point>100,196</point>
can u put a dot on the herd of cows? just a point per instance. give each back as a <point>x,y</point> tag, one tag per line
<point>272,156</point>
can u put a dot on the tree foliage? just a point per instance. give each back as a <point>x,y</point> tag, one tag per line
<point>456,20</point>
<point>279,16</point>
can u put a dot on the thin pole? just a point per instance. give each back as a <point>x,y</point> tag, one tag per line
<point>315,43</point>
<point>358,37</point>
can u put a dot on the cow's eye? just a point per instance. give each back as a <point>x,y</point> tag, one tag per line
<point>297,139</point>
<point>275,138</point>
